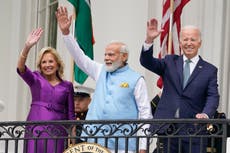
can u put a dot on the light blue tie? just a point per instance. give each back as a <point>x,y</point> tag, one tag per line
<point>186,72</point>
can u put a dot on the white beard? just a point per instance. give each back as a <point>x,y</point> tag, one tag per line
<point>114,66</point>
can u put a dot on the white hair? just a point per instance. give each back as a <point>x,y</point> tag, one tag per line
<point>124,49</point>
<point>191,27</point>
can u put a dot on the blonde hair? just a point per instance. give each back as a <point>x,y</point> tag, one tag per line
<point>60,71</point>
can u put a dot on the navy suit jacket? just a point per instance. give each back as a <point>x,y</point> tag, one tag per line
<point>199,96</point>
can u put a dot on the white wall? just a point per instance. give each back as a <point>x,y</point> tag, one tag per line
<point>17,19</point>
<point>9,52</point>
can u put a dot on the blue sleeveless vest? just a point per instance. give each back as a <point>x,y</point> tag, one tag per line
<point>113,100</point>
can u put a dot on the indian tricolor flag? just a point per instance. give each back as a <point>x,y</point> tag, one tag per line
<point>83,33</point>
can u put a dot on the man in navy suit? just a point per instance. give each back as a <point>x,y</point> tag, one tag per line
<point>197,98</point>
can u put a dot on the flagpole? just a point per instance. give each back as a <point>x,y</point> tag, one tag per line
<point>170,27</point>
<point>72,141</point>
<point>73,31</point>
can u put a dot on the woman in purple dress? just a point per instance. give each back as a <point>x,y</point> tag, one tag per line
<point>52,97</point>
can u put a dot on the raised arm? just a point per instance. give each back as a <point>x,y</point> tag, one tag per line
<point>87,65</point>
<point>32,39</point>
<point>64,21</point>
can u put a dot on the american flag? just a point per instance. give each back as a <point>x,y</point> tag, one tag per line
<point>176,25</point>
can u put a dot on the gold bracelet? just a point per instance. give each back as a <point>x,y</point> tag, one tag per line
<point>23,56</point>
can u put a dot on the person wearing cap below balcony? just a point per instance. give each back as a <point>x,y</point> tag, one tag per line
<point>82,98</point>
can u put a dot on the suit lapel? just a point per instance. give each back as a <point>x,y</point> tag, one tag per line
<point>197,70</point>
<point>179,68</point>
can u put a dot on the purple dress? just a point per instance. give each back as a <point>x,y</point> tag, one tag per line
<point>48,103</point>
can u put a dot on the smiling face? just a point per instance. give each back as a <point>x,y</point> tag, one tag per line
<point>190,41</point>
<point>48,65</point>
<point>114,59</point>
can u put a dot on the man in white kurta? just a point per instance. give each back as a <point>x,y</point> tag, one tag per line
<point>120,93</point>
